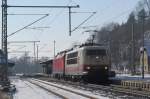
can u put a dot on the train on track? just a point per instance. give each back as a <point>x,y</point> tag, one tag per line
<point>87,62</point>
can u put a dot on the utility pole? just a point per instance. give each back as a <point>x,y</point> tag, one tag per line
<point>69,21</point>
<point>34,46</point>
<point>4,30</point>
<point>34,51</point>
<point>54,47</point>
<point>69,7</point>
<point>143,30</point>
<point>37,53</point>
<point>4,40</point>
<point>133,54</point>
<point>110,50</point>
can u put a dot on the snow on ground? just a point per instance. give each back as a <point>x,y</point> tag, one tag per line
<point>76,90</point>
<point>132,77</point>
<point>26,90</point>
<point>62,92</point>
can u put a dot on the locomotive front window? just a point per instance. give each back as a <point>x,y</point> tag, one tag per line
<point>72,61</point>
<point>96,52</point>
<point>72,55</point>
<point>72,58</point>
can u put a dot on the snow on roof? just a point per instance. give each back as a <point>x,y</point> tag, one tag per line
<point>47,62</point>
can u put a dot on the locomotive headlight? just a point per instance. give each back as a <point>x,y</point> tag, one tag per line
<point>106,67</point>
<point>97,57</point>
<point>85,72</point>
<point>88,67</point>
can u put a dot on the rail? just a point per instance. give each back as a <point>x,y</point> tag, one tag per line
<point>110,88</point>
<point>59,95</point>
<point>65,89</point>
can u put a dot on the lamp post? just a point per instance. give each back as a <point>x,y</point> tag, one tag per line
<point>142,61</point>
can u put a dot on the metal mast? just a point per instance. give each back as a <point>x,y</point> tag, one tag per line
<point>69,7</point>
<point>4,37</point>
<point>143,30</point>
<point>4,30</point>
<point>133,53</point>
<point>34,45</point>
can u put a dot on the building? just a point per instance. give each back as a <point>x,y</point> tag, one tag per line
<point>47,66</point>
<point>146,59</point>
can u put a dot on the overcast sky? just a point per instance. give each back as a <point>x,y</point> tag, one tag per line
<point>107,11</point>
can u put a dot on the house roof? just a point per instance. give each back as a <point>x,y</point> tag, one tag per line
<point>47,62</point>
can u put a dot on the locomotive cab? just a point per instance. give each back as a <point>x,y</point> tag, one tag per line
<point>96,64</point>
<point>86,63</point>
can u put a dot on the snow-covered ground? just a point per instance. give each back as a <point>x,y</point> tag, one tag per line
<point>26,90</point>
<point>98,94</point>
<point>132,77</point>
<point>68,94</point>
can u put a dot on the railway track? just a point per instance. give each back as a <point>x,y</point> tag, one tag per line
<point>27,90</point>
<point>61,96</point>
<point>116,89</point>
<point>63,92</point>
<point>120,89</point>
<point>28,84</point>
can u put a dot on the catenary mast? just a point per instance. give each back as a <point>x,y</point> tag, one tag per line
<point>4,30</point>
<point>4,39</point>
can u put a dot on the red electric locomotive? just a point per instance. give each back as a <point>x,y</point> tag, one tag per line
<point>58,68</point>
